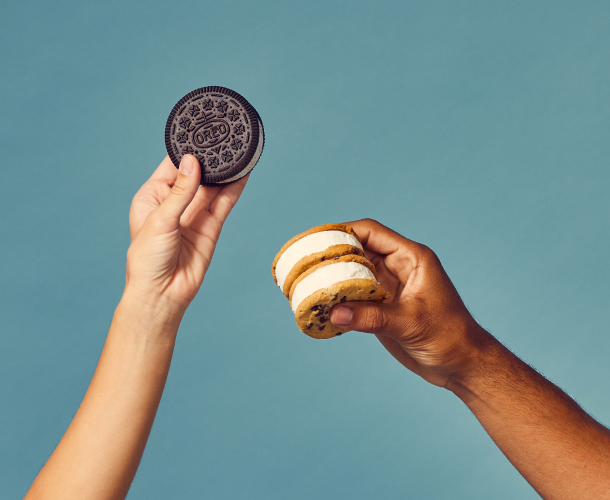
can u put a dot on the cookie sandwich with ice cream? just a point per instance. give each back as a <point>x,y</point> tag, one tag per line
<point>320,268</point>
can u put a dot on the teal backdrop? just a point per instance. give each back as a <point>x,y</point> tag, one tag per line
<point>479,128</point>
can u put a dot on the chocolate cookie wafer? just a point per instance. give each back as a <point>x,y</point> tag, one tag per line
<point>220,128</point>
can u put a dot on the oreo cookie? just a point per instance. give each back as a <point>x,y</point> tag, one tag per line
<point>220,128</point>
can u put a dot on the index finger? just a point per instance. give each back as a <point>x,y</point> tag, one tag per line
<point>400,254</point>
<point>381,239</point>
<point>210,220</point>
<point>166,171</point>
<point>227,198</point>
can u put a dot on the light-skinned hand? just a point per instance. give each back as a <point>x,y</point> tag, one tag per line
<point>175,224</point>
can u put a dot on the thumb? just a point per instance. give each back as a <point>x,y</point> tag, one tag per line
<point>369,317</point>
<point>184,189</point>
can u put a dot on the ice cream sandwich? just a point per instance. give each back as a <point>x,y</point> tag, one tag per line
<point>323,271</point>
<point>310,248</point>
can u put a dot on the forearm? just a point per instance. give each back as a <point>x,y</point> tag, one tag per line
<point>98,456</point>
<point>559,449</point>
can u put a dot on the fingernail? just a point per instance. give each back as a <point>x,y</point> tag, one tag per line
<point>342,315</point>
<point>187,164</point>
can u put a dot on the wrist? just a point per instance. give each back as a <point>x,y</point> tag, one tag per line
<point>483,357</point>
<point>149,317</point>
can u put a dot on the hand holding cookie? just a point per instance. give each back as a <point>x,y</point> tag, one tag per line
<point>424,324</point>
<point>175,225</point>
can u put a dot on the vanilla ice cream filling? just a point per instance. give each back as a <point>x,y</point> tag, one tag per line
<point>257,155</point>
<point>326,277</point>
<point>312,243</point>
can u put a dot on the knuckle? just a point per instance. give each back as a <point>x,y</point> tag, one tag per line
<point>179,189</point>
<point>156,221</point>
<point>370,222</point>
<point>374,319</point>
<point>427,253</point>
<point>228,199</point>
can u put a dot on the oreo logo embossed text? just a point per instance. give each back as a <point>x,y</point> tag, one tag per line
<point>210,134</point>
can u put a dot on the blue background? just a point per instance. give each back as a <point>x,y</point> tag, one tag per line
<point>478,128</point>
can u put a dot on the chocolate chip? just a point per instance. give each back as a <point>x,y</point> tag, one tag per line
<point>323,258</point>
<point>321,327</point>
<point>323,319</point>
<point>309,326</point>
<point>372,291</point>
<point>315,308</point>
<point>343,299</point>
<point>318,313</point>
<point>340,333</point>
<point>355,251</point>
<point>335,296</point>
